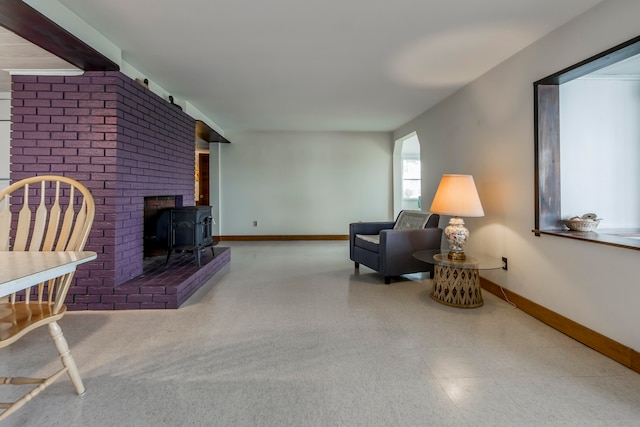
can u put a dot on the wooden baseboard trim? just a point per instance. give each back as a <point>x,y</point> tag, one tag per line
<point>248,238</point>
<point>602,344</point>
<point>635,361</point>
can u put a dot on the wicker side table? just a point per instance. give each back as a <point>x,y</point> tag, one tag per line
<point>457,287</point>
<point>457,283</point>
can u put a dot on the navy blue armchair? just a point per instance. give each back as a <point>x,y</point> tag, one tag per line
<point>388,247</point>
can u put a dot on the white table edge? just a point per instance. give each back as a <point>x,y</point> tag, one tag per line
<point>32,279</point>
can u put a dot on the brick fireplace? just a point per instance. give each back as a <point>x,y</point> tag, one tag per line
<point>124,143</point>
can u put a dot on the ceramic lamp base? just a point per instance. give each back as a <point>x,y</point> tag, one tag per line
<point>457,235</point>
<point>456,256</point>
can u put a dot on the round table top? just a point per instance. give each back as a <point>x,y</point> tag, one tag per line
<point>473,261</point>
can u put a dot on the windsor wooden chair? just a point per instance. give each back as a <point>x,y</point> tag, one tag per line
<point>55,214</point>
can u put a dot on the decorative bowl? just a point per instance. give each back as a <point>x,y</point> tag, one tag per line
<point>581,224</point>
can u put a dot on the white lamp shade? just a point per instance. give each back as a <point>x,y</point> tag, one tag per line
<point>457,196</point>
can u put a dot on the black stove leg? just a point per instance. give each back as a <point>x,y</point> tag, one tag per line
<point>196,252</point>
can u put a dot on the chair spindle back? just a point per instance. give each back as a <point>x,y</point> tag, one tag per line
<point>39,203</point>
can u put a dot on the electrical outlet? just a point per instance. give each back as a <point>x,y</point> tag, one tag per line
<point>255,223</point>
<point>505,264</point>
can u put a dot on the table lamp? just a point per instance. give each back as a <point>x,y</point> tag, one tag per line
<point>457,196</point>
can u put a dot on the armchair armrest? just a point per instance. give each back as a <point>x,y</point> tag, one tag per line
<point>366,228</point>
<point>369,227</point>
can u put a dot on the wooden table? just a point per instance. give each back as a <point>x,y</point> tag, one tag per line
<point>19,270</point>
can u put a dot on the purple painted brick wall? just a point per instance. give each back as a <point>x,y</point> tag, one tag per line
<point>123,142</point>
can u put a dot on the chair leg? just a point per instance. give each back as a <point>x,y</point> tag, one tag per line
<point>65,356</point>
<point>10,408</point>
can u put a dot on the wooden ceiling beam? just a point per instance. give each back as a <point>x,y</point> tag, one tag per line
<point>31,25</point>
<point>206,132</point>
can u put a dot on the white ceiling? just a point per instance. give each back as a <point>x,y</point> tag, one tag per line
<point>354,65</point>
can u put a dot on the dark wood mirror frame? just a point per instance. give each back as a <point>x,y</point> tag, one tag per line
<point>547,146</point>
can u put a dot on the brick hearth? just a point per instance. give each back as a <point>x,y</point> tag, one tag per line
<point>169,286</point>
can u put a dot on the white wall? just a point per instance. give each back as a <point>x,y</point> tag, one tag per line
<point>487,130</point>
<point>304,183</point>
<point>5,138</point>
<point>214,185</point>
<point>600,150</point>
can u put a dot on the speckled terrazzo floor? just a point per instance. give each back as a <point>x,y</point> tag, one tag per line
<point>290,335</point>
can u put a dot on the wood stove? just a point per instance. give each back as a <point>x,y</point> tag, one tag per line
<point>190,229</point>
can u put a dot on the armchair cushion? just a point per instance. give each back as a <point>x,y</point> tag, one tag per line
<point>368,241</point>
<point>411,220</point>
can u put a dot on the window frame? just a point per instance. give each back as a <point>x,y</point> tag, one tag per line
<point>547,147</point>
<point>403,179</point>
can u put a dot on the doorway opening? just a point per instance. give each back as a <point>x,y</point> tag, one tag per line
<point>407,182</point>
<point>202,180</point>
